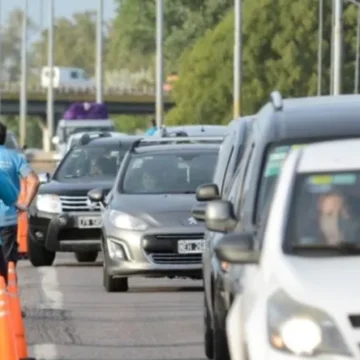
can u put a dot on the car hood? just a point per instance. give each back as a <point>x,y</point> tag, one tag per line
<point>75,188</point>
<point>324,282</point>
<point>159,210</point>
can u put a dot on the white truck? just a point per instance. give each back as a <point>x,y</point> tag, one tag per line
<point>79,117</point>
<point>67,78</point>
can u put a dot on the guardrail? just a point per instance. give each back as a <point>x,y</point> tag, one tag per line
<point>43,161</point>
<point>14,88</point>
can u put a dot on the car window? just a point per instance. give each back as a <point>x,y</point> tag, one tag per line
<point>223,160</point>
<point>87,163</point>
<point>325,210</point>
<point>10,141</point>
<point>168,173</point>
<point>274,160</point>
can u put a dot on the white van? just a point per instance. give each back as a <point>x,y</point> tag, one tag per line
<point>299,295</point>
<point>66,77</point>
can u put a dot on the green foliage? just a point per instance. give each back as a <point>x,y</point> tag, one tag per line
<point>279,52</point>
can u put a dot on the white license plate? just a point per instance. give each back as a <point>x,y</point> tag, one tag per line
<point>89,222</point>
<point>191,246</point>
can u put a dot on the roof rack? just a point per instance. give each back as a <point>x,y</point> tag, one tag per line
<point>87,138</point>
<point>176,140</point>
<point>276,100</point>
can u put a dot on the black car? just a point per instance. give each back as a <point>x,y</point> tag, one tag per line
<point>148,229</point>
<point>61,218</point>
<point>280,125</point>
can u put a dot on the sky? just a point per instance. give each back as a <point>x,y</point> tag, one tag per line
<point>62,8</point>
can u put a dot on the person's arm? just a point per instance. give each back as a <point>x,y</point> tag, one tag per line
<point>32,181</point>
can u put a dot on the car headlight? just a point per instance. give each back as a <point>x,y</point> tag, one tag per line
<point>302,330</point>
<point>49,203</point>
<point>125,221</point>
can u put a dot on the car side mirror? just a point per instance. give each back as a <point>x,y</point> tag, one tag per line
<point>237,248</point>
<point>207,192</point>
<point>44,178</point>
<point>198,211</point>
<point>55,140</point>
<point>220,216</point>
<point>96,195</point>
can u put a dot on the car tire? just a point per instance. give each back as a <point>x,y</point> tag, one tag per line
<point>38,254</point>
<point>112,284</point>
<point>86,256</point>
<point>208,332</point>
<point>220,344</point>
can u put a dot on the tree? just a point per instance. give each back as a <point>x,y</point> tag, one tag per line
<point>279,52</point>
<point>11,42</point>
<point>75,41</point>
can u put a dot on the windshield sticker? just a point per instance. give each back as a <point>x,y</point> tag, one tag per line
<point>338,179</point>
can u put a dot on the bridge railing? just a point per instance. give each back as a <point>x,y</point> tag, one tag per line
<point>14,88</point>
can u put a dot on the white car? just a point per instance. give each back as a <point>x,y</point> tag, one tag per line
<point>300,289</point>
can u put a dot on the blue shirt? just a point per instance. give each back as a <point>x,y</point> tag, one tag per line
<point>151,131</point>
<point>16,167</point>
<point>8,194</point>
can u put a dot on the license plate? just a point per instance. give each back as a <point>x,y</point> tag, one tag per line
<point>191,246</point>
<point>89,222</point>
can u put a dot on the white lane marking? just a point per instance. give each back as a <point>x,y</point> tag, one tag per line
<point>50,286</point>
<point>45,352</point>
<point>53,299</point>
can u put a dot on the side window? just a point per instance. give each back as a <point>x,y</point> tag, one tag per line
<point>74,75</point>
<point>223,158</point>
<point>246,181</point>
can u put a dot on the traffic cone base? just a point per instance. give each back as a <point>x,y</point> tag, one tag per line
<point>15,310</point>
<point>7,339</point>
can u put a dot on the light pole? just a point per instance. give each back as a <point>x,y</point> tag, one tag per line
<point>337,46</point>
<point>50,93</point>
<point>237,59</point>
<point>23,87</point>
<point>320,41</point>
<point>159,63</point>
<point>99,52</point>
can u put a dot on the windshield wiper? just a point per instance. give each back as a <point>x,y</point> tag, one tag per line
<point>346,248</point>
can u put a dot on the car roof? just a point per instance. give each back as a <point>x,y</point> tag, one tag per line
<point>320,117</point>
<point>336,155</point>
<point>168,148</point>
<point>110,140</point>
<point>80,134</point>
<point>197,130</point>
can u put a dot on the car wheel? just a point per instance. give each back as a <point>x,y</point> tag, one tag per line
<point>220,344</point>
<point>208,333</point>
<point>38,254</point>
<point>112,284</point>
<point>86,256</point>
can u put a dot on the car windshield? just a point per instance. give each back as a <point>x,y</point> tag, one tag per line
<point>168,173</point>
<point>325,214</point>
<point>273,164</point>
<point>70,130</point>
<point>89,163</point>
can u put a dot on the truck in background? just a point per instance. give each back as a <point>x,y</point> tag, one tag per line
<point>81,117</point>
<point>67,78</point>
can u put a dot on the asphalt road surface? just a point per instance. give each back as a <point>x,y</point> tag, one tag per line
<point>70,317</point>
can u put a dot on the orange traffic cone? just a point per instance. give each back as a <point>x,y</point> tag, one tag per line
<point>15,309</point>
<point>8,349</point>
<point>23,224</point>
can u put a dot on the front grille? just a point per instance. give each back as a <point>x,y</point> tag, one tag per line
<point>175,259</point>
<point>355,321</point>
<point>174,237</point>
<point>77,203</point>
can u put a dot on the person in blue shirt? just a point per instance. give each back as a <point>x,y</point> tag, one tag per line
<point>152,129</point>
<point>9,196</point>
<point>16,167</point>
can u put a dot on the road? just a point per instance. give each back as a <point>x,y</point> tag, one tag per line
<point>70,317</point>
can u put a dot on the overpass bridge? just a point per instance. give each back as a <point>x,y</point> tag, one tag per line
<point>119,101</point>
